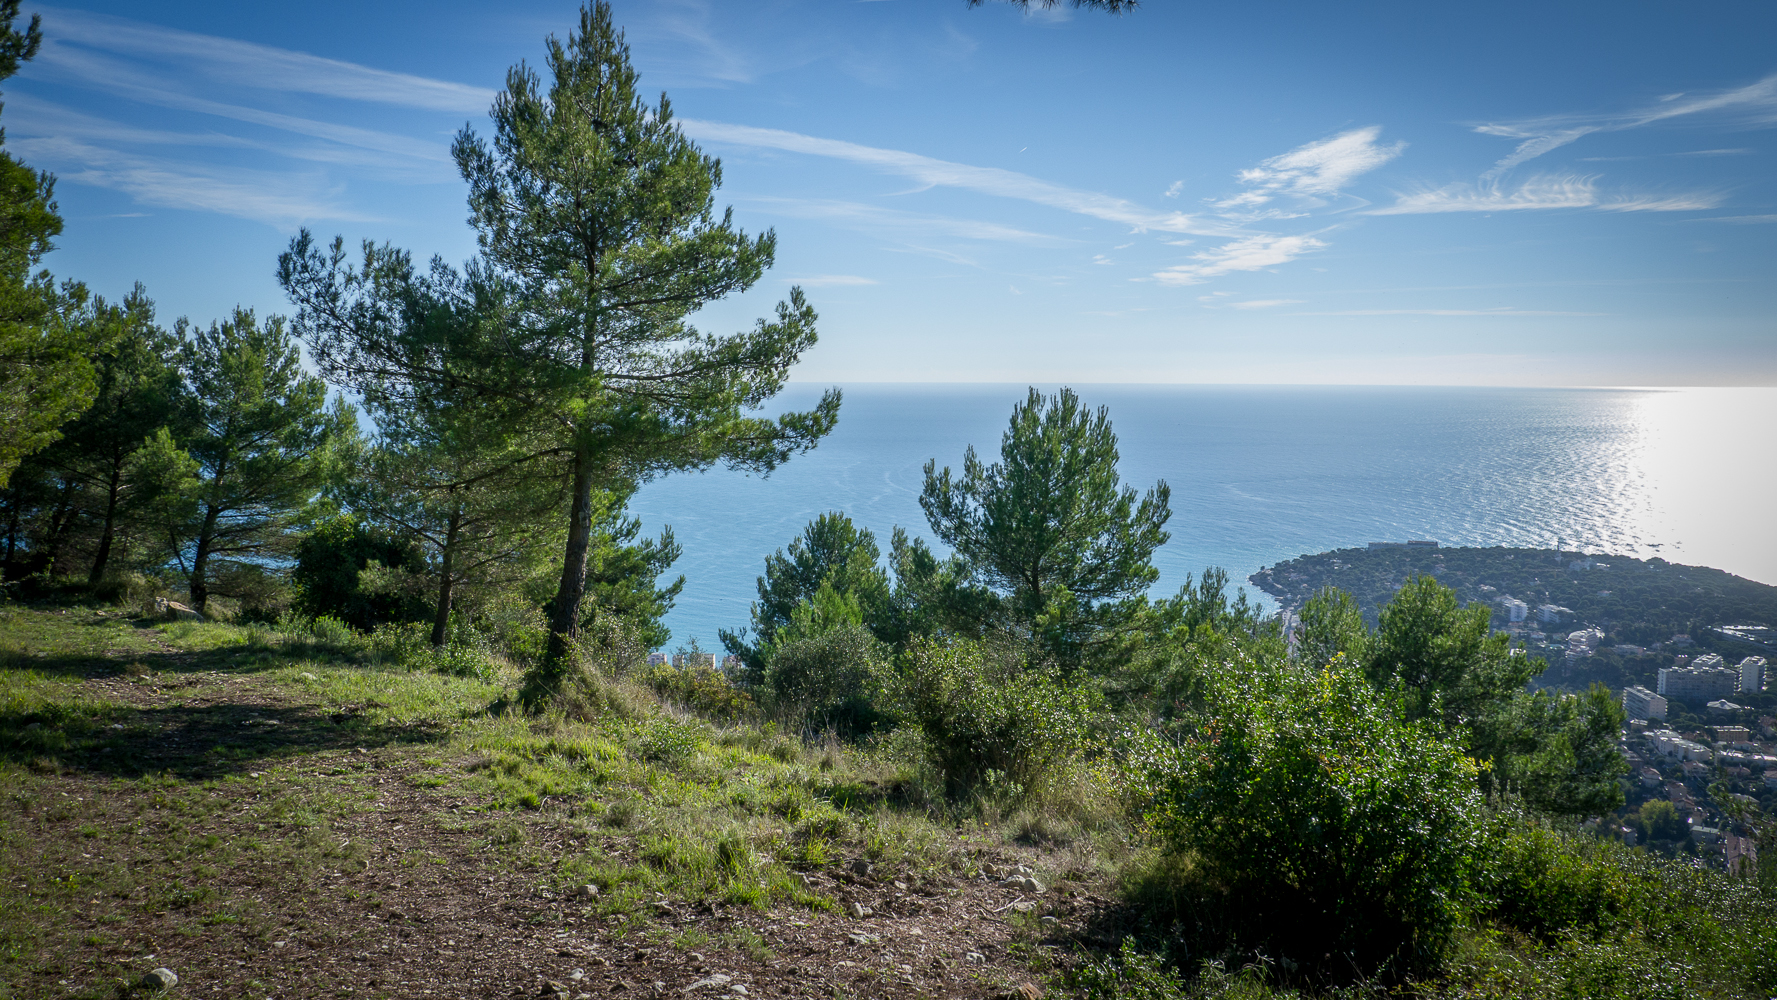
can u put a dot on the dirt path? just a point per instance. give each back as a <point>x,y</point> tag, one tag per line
<point>330,871</point>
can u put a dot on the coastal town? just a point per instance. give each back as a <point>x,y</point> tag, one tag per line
<point>1700,729</point>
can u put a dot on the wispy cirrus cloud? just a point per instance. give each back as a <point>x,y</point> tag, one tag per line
<point>178,119</point>
<point>1503,311</point>
<point>1252,253</point>
<point>1318,169</point>
<point>150,88</point>
<point>831,281</point>
<point>1753,104</point>
<point>1261,303</point>
<point>1542,192</point>
<point>875,217</point>
<point>944,173</point>
<point>246,64</point>
<point>279,198</point>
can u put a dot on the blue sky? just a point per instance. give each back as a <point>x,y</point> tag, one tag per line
<point>1514,194</point>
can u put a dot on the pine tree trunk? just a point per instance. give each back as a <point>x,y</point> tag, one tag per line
<point>59,523</point>
<point>564,612</point>
<point>12,539</point>
<point>446,569</point>
<point>113,489</point>
<point>200,560</point>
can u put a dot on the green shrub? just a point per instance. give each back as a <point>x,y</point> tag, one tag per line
<point>990,718</point>
<point>826,680</point>
<point>1547,884</point>
<point>1323,828</point>
<point>698,687</point>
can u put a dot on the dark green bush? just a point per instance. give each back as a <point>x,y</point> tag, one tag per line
<point>826,680</point>
<point>1547,884</point>
<point>988,716</point>
<point>329,560</point>
<point>1321,827</point>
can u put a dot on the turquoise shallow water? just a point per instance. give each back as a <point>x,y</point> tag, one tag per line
<point>1262,473</point>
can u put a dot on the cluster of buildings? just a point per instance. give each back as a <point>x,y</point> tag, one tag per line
<point>683,661</point>
<point>1519,611</point>
<point>1709,678</point>
<point>1670,765</point>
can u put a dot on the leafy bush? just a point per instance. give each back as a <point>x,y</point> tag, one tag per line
<point>329,562</point>
<point>1546,884</point>
<point>698,687</point>
<point>989,717</point>
<point>827,680</point>
<point>1323,827</point>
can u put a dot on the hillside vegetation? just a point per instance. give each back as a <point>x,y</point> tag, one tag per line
<point>299,699</point>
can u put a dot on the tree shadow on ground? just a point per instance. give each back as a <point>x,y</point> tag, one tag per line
<point>209,737</point>
<point>194,742</point>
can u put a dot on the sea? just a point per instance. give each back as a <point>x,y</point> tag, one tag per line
<point>1260,474</point>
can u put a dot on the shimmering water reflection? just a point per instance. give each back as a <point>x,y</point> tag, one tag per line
<point>1263,473</point>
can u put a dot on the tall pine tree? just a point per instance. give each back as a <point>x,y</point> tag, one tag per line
<point>260,445</point>
<point>595,217</point>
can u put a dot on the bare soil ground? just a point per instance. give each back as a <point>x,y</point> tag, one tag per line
<point>261,843</point>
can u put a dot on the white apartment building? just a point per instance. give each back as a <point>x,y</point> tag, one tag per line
<point>1516,610</point>
<point>1670,744</point>
<point>1699,683</point>
<point>1752,674</point>
<point>1640,703</point>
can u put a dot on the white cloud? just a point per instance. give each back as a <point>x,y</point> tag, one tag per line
<point>1753,104</point>
<point>31,116</point>
<point>1450,312</point>
<point>1319,168</point>
<point>281,199</point>
<point>1253,253</point>
<point>1741,220</point>
<point>118,78</point>
<point>1262,303</point>
<point>1700,201</point>
<point>246,64</point>
<point>1173,189</point>
<point>874,217</point>
<point>943,173</point>
<point>830,281</point>
<point>1544,192</point>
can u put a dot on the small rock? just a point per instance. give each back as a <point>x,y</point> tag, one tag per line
<point>1024,870</point>
<point>587,891</point>
<point>860,911</point>
<point>738,990</point>
<point>160,979</point>
<point>861,867</point>
<point>552,988</point>
<point>305,675</point>
<point>715,980</point>
<point>975,958</point>
<point>916,932</point>
<point>862,938</point>
<point>1051,920</point>
<point>577,975</point>
<point>1023,883</point>
<point>1023,906</point>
